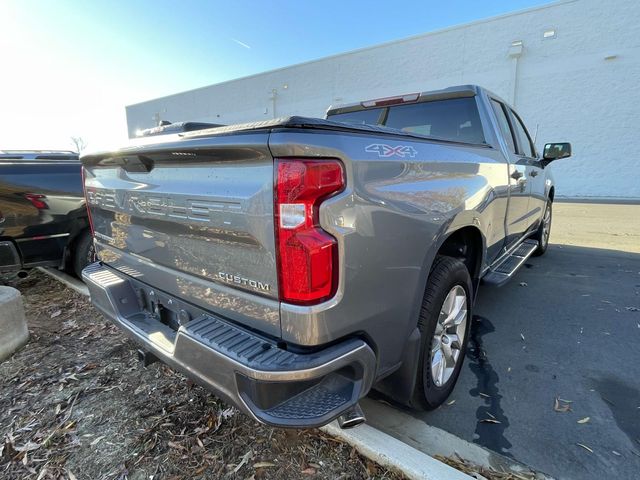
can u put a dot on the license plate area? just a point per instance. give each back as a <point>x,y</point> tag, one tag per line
<point>164,309</point>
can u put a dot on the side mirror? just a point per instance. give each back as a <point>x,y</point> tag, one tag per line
<point>555,151</point>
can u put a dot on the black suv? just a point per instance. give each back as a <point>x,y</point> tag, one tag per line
<point>43,215</point>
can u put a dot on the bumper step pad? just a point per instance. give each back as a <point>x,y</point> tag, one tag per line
<point>318,401</point>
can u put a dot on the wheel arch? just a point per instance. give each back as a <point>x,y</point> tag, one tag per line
<point>468,244</point>
<point>399,385</point>
<point>69,249</point>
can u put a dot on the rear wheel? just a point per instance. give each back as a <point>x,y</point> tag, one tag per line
<point>544,230</point>
<point>82,253</point>
<point>445,320</point>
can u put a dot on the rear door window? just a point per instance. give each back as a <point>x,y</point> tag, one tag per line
<point>525,146</point>
<point>504,125</point>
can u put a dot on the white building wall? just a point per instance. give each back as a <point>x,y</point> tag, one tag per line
<point>582,86</point>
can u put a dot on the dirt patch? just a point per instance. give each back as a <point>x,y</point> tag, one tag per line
<point>75,403</point>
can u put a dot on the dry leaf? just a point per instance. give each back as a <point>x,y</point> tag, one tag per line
<point>372,469</point>
<point>561,406</point>
<point>584,420</point>
<point>585,447</point>
<point>96,441</point>
<point>28,447</point>
<point>308,471</point>
<point>71,475</point>
<point>56,313</point>
<point>228,413</point>
<point>245,458</point>
<point>199,471</point>
<point>264,465</point>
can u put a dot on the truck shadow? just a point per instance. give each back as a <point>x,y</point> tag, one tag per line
<point>515,368</point>
<point>491,419</point>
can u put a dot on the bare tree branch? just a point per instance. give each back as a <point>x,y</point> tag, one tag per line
<point>79,143</point>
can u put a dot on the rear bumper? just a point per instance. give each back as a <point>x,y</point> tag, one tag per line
<point>273,385</point>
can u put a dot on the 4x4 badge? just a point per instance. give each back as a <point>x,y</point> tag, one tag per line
<point>385,151</point>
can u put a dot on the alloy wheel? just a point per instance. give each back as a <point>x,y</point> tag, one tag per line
<point>546,226</point>
<point>449,335</point>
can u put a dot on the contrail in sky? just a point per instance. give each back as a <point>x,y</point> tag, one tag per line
<point>242,44</point>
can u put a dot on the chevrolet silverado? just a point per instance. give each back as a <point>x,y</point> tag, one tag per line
<point>292,265</point>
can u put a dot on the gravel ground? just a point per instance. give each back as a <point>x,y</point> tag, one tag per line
<point>75,404</point>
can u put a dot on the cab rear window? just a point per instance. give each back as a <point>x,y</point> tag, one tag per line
<point>370,116</point>
<point>454,119</point>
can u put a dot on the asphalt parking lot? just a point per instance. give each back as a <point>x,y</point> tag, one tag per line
<point>567,327</point>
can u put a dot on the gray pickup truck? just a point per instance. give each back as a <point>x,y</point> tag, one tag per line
<point>292,265</point>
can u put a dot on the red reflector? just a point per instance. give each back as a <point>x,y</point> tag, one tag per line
<point>86,199</point>
<point>307,255</point>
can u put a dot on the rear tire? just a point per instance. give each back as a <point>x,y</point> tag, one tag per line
<point>444,324</point>
<point>83,252</point>
<point>544,230</point>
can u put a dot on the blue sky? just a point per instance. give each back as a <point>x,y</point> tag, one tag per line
<point>69,67</point>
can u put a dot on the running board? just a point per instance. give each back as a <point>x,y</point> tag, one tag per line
<point>500,273</point>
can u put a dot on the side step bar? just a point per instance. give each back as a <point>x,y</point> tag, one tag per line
<point>500,273</point>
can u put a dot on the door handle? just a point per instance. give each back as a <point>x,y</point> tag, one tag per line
<point>517,175</point>
<point>534,173</point>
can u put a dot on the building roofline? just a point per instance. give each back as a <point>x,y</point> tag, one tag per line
<point>371,47</point>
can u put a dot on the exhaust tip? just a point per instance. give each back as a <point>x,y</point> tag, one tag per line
<point>352,417</point>
<point>23,274</point>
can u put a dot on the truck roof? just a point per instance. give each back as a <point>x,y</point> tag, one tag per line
<point>38,155</point>
<point>457,91</point>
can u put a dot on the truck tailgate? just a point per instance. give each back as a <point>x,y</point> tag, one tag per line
<point>193,221</point>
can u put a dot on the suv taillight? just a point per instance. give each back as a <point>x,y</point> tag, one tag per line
<point>307,255</point>
<point>86,198</point>
<point>37,200</point>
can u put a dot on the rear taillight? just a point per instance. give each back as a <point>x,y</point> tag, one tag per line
<point>37,200</point>
<point>307,255</point>
<point>86,199</point>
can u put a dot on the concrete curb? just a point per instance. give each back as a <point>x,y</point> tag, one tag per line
<point>435,441</point>
<point>392,453</point>
<point>68,280</point>
<point>13,325</point>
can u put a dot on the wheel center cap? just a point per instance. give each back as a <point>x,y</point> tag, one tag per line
<point>445,339</point>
